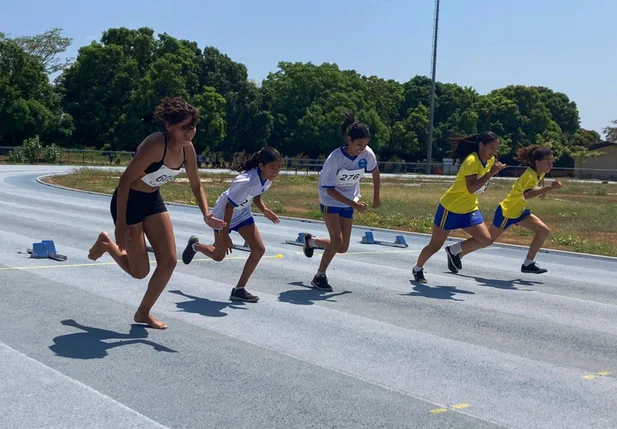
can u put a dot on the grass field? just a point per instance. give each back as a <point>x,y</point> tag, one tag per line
<point>582,216</point>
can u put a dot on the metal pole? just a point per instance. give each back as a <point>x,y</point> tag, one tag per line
<point>429,145</point>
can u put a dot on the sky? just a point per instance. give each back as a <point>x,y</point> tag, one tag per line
<point>566,45</point>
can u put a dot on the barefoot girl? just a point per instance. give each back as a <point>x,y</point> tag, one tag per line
<point>137,207</point>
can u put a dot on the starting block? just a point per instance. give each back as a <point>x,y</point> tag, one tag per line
<point>368,238</point>
<point>244,247</point>
<point>46,249</point>
<point>299,241</point>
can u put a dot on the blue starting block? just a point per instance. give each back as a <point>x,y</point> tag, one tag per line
<point>299,241</point>
<point>244,247</point>
<point>369,238</point>
<point>46,249</point>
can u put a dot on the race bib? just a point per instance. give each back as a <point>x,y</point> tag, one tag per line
<point>244,204</point>
<point>482,189</point>
<point>346,178</point>
<point>158,178</point>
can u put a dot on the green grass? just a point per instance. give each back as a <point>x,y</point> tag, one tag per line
<point>582,216</point>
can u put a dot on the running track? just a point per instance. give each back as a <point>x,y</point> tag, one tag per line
<point>487,348</point>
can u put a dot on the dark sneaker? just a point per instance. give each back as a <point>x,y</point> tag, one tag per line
<point>189,253</point>
<point>454,261</point>
<point>419,276</point>
<point>533,268</point>
<point>308,251</point>
<point>321,282</point>
<point>241,294</point>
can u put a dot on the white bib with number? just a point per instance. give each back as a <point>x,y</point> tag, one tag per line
<point>482,189</point>
<point>346,178</point>
<point>160,177</point>
<point>244,204</point>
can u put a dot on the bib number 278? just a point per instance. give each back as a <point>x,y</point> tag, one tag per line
<point>349,177</point>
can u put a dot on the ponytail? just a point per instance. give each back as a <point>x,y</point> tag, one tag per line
<point>263,156</point>
<point>355,130</point>
<point>530,154</point>
<point>463,145</point>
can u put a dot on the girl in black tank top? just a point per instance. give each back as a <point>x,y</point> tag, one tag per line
<point>138,214</point>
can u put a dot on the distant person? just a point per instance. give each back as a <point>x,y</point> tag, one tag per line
<point>513,209</point>
<point>137,207</point>
<point>234,207</point>
<point>458,207</point>
<point>339,194</point>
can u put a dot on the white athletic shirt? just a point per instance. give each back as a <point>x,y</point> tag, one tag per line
<point>240,194</point>
<point>343,173</point>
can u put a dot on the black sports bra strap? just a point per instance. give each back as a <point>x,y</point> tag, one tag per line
<point>165,151</point>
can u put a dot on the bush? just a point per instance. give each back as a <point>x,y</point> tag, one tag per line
<point>52,154</point>
<point>32,150</point>
<point>28,152</point>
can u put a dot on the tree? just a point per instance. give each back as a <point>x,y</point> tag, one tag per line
<point>29,105</point>
<point>47,47</point>
<point>110,91</point>
<point>248,124</point>
<point>611,132</point>
<point>307,103</point>
<point>212,125</point>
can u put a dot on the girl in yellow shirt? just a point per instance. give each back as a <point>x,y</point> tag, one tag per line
<point>458,207</point>
<point>513,209</point>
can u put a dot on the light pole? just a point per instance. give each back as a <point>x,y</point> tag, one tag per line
<point>429,144</point>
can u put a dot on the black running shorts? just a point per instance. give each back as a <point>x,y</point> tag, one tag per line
<point>139,206</point>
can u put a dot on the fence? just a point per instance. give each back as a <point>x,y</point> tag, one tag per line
<point>81,157</point>
<point>312,166</point>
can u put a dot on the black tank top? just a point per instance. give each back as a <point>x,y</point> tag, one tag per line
<point>155,166</point>
<point>158,173</point>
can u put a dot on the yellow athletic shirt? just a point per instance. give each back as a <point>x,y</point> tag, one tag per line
<point>457,198</point>
<point>514,204</point>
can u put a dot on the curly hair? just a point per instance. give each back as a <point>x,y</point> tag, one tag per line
<point>174,110</point>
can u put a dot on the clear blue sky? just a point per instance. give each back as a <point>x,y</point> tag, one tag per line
<point>566,45</point>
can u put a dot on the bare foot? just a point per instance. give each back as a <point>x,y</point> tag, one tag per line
<point>100,247</point>
<point>149,320</point>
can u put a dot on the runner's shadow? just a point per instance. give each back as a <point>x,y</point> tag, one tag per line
<point>91,343</point>
<point>436,292</point>
<point>204,306</point>
<point>504,284</point>
<point>308,295</point>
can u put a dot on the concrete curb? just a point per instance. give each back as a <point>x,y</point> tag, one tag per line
<point>39,179</point>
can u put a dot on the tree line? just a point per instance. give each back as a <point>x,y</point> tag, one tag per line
<point>104,99</point>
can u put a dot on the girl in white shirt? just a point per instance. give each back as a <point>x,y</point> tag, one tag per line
<point>234,207</point>
<point>339,194</point>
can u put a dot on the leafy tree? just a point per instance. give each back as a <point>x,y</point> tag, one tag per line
<point>47,47</point>
<point>611,132</point>
<point>29,105</point>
